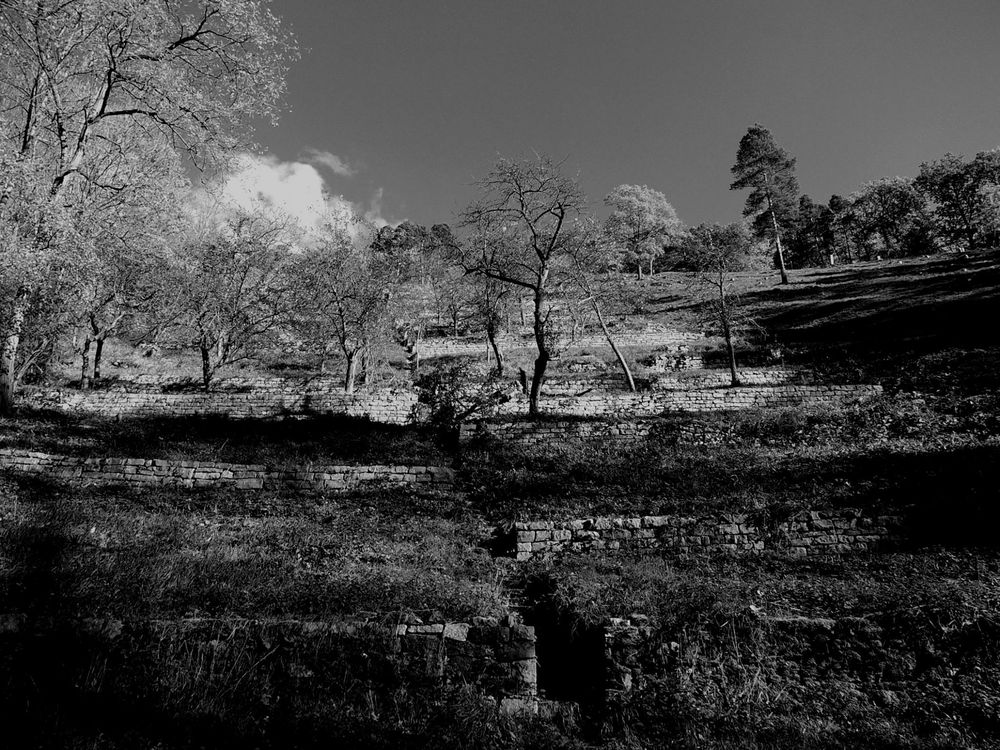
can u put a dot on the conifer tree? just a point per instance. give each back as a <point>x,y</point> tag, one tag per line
<point>768,171</point>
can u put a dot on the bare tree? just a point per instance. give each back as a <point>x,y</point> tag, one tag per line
<point>345,291</point>
<point>714,252</point>
<point>525,214</point>
<point>230,285</point>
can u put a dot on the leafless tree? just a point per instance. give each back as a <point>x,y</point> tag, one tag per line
<point>523,226</point>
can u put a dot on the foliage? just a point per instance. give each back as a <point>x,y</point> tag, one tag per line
<point>641,224</point>
<point>892,210</point>
<point>454,394</point>
<point>963,195</point>
<point>82,83</point>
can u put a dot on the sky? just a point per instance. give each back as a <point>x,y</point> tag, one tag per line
<point>396,107</point>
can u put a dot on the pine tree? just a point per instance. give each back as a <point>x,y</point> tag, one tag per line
<point>768,171</point>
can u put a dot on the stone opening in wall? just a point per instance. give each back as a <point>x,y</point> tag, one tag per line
<point>570,662</point>
<point>571,668</point>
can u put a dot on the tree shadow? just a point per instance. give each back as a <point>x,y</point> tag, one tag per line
<point>925,304</point>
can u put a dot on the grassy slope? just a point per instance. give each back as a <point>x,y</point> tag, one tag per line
<point>105,551</point>
<point>921,325</point>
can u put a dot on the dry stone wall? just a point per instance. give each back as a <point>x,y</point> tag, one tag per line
<point>496,655</point>
<point>808,533</point>
<point>387,406</point>
<point>546,433</point>
<point>614,434</point>
<point>690,381</point>
<point>146,383</point>
<point>651,337</point>
<point>145,471</point>
<point>649,403</point>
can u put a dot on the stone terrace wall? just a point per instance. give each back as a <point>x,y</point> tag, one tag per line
<point>388,406</point>
<point>471,346</point>
<point>144,471</point>
<point>651,337</point>
<point>497,655</point>
<point>144,383</point>
<point>547,433</point>
<point>649,403</point>
<point>808,533</point>
<point>691,381</point>
<point>569,385</point>
<point>612,434</point>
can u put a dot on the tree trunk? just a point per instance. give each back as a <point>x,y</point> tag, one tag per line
<point>638,270</point>
<point>365,363</point>
<point>777,239</point>
<point>98,353</point>
<point>614,347</point>
<point>651,267</point>
<point>491,336</point>
<point>206,367</point>
<point>8,352</point>
<point>85,364</point>
<point>727,331</point>
<point>541,362</point>
<point>352,371</point>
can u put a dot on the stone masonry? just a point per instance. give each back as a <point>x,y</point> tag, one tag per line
<point>610,434</point>
<point>497,655</point>
<point>653,336</point>
<point>387,406</point>
<point>145,471</point>
<point>808,533</point>
<point>649,403</point>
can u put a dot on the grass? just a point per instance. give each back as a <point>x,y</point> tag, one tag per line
<point>325,440</point>
<point>877,458</point>
<point>895,650</point>
<point>168,553</point>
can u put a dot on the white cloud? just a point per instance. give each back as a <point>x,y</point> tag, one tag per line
<point>331,161</point>
<point>295,189</point>
<point>291,188</point>
<point>374,212</point>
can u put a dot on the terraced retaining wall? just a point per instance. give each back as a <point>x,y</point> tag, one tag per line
<point>651,337</point>
<point>649,403</point>
<point>387,406</point>
<point>808,533</point>
<point>496,655</point>
<point>145,471</point>
<point>690,381</point>
<point>617,434</point>
<point>143,383</point>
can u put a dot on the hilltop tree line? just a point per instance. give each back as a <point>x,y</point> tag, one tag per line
<point>952,204</point>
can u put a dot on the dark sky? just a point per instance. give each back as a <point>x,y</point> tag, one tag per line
<point>419,96</point>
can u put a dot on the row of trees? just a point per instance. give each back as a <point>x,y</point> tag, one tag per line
<point>952,203</point>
